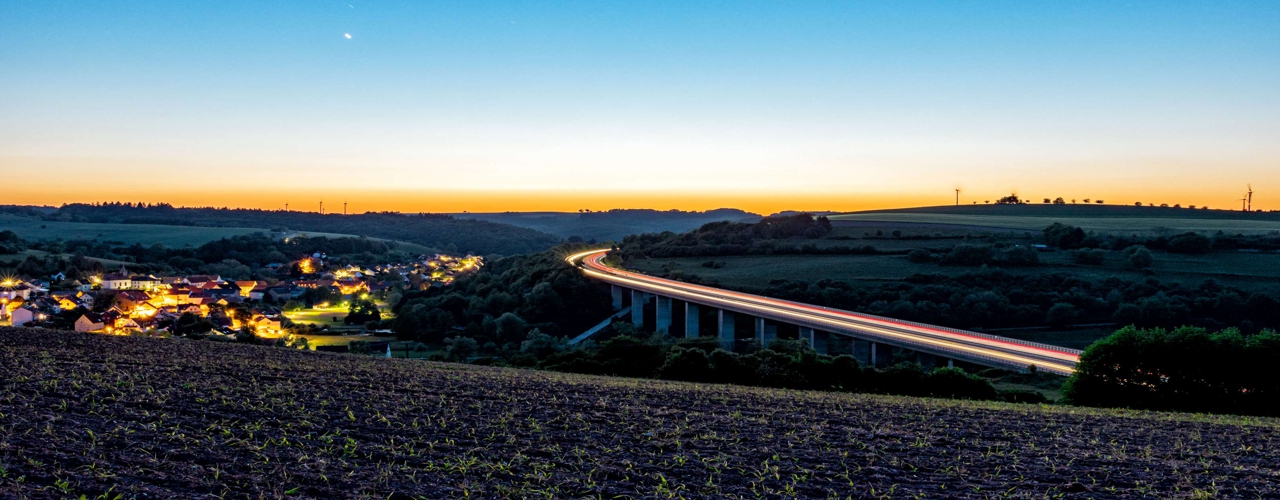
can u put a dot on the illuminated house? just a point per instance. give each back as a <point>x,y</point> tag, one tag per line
<point>117,281</point>
<point>246,287</point>
<point>90,322</point>
<point>352,286</point>
<point>25,315</point>
<point>147,283</point>
<point>14,289</point>
<point>131,299</point>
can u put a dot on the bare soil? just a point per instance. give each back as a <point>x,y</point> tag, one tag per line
<point>111,417</point>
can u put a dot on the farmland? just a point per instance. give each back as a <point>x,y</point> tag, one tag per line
<point>145,234</point>
<point>86,415</point>
<point>1109,218</point>
<point>1249,270</point>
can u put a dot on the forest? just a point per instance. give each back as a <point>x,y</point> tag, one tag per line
<point>238,257</point>
<point>441,232</point>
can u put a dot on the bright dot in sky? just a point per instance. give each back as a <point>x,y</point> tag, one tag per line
<point>348,35</point>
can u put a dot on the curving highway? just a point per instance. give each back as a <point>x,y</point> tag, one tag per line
<point>982,349</point>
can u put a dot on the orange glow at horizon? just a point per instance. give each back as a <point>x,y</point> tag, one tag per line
<point>541,201</point>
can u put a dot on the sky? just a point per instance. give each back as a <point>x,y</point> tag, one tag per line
<point>765,106</point>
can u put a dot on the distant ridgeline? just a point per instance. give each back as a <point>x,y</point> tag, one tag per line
<point>1086,210</point>
<point>440,231</point>
<point>612,225</point>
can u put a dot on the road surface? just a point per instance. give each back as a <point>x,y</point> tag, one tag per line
<point>983,349</point>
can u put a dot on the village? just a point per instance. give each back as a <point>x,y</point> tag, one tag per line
<point>305,295</point>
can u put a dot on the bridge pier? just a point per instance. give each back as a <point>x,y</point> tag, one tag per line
<point>861,351</point>
<point>691,320</point>
<point>763,335</point>
<point>872,355</point>
<point>926,361</point>
<point>638,300</point>
<point>725,327</point>
<point>817,340</point>
<point>617,296</point>
<point>662,314</point>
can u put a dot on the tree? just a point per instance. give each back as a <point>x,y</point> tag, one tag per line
<point>460,348</point>
<point>1138,257</point>
<point>1190,243</point>
<point>1089,256</point>
<point>1021,256</point>
<point>1012,199</point>
<point>1059,201</point>
<point>1187,369</point>
<point>362,311</point>
<point>919,256</point>
<point>968,255</point>
<point>1062,314</point>
<point>1063,236</point>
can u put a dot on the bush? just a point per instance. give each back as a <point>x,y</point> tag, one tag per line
<point>1062,314</point>
<point>1187,369</point>
<point>1089,256</point>
<point>1138,257</point>
<point>1021,396</point>
<point>1021,256</point>
<point>968,255</point>
<point>958,384</point>
<point>1063,236</point>
<point>919,256</point>
<point>1190,243</point>
<point>686,364</point>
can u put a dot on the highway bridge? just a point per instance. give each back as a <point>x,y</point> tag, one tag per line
<point>819,326</point>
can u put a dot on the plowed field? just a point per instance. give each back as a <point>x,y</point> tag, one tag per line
<point>155,418</point>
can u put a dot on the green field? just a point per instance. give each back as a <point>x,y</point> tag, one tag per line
<point>756,271</point>
<point>1104,218</point>
<point>150,234</point>
<point>1101,224</point>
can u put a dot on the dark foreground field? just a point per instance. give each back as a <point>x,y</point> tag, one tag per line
<point>156,418</point>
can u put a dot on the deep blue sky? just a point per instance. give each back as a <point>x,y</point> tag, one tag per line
<point>802,103</point>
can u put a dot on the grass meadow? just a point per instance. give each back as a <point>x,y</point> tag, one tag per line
<point>1158,223</point>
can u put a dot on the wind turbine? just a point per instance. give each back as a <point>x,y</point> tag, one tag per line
<point>1250,196</point>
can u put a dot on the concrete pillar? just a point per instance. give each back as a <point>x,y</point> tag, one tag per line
<point>725,327</point>
<point>617,296</point>
<point>690,320</point>
<point>817,340</point>
<point>662,316</point>
<point>759,332</point>
<point>951,363</point>
<point>861,351</point>
<point>873,354</point>
<point>638,300</point>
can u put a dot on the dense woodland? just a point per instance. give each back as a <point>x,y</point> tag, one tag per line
<point>240,257</point>
<point>441,232</point>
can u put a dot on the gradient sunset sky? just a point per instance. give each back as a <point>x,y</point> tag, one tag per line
<point>765,106</point>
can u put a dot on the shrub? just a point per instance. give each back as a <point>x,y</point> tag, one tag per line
<point>1063,236</point>
<point>1187,369</point>
<point>1062,314</point>
<point>1190,243</point>
<point>958,384</point>
<point>1089,256</point>
<point>1021,256</point>
<point>919,256</point>
<point>1138,257</point>
<point>968,255</point>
